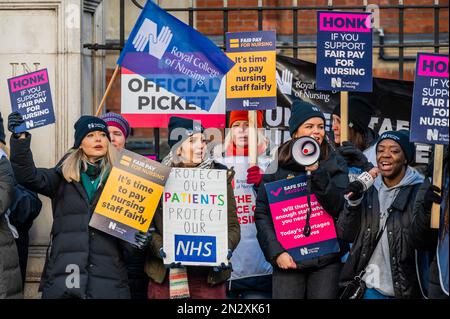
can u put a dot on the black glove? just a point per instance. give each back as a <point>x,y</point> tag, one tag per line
<point>14,120</point>
<point>357,190</point>
<point>432,195</point>
<point>142,239</point>
<point>353,156</point>
<point>163,255</point>
<point>222,266</point>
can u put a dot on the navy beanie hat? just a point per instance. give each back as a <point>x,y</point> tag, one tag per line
<point>402,138</point>
<point>302,111</point>
<point>359,113</point>
<point>87,124</point>
<point>187,128</point>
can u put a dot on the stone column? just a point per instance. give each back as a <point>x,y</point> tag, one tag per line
<point>38,34</point>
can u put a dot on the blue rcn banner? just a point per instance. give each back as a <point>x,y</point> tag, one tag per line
<point>31,96</point>
<point>430,111</point>
<point>162,47</point>
<point>344,51</point>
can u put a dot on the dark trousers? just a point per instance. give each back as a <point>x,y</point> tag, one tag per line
<point>258,287</point>
<point>313,283</point>
<point>435,290</point>
<point>137,278</point>
<point>198,286</point>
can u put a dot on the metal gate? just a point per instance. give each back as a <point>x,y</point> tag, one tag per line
<point>434,40</point>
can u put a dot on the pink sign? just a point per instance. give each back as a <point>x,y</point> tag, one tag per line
<point>432,65</point>
<point>344,22</point>
<point>152,157</point>
<point>28,80</point>
<point>289,220</point>
<point>288,202</point>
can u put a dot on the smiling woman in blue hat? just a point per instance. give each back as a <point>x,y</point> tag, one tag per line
<point>378,223</point>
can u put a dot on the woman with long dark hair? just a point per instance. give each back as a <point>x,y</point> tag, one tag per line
<point>316,278</point>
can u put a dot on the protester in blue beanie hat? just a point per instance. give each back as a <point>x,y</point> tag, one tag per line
<point>302,111</point>
<point>74,186</point>
<point>402,138</point>
<point>87,124</point>
<point>169,279</point>
<point>327,178</point>
<point>187,128</point>
<point>376,217</point>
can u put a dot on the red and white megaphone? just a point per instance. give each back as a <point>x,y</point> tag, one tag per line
<point>306,151</point>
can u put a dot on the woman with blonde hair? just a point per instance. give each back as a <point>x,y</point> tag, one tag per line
<point>83,262</point>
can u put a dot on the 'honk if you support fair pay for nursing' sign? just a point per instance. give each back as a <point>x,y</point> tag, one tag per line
<point>31,96</point>
<point>344,51</point>
<point>130,197</point>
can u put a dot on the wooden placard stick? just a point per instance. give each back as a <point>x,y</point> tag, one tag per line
<point>344,116</point>
<point>437,181</point>
<point>116,72</point>
<point>253,138</point>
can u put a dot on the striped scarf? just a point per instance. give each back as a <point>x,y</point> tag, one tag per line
<point>178,283</point>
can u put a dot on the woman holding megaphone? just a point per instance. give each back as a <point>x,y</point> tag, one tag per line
<point>315,278</point>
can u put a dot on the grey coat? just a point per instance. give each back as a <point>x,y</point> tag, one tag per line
<point>10,277</point>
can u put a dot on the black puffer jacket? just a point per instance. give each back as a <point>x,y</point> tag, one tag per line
<point>76,247</point>
<point>360,224</point>
<point>328,183</point>
<point>425,238</point>
<point>10,277</point>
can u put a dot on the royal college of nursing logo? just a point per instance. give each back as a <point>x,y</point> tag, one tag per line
<point>148,34</point>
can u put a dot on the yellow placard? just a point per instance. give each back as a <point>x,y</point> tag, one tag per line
<point>129,199</point>
<point>253,74</point>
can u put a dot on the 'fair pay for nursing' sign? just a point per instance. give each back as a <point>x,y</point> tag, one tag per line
<point>251,83</point>
<point>130,197</point>
<point>30,96</point>
<point>195,222</point>
<point>288,206</point>
<point>344,51</point>
<point>430,111</point>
